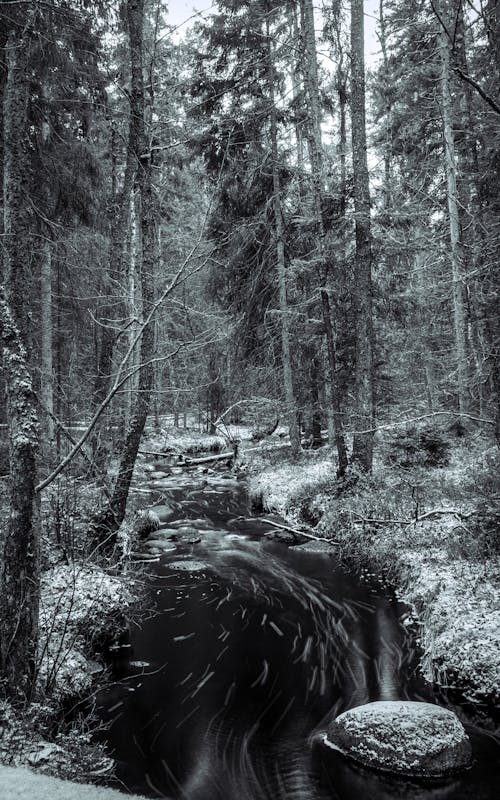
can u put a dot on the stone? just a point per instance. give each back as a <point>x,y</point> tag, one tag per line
<point>402,737</point>
<point>146,522</point>
<point>163,512</point>
<point>188,566</point>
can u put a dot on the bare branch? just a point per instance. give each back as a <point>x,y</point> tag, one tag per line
<point>475,85</point>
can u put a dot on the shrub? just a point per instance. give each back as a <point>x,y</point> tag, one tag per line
<point>425,447</point>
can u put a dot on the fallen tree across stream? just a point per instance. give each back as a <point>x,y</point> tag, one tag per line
<point>186,461</point>
<point>298,531</point>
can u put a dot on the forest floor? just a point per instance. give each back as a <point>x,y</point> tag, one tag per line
<point>430,531</point>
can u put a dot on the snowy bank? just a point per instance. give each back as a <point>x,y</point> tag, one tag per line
<point>432,563</point>
<point>79,605</point>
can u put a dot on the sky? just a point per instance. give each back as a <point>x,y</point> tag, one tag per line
<point>180,13</point>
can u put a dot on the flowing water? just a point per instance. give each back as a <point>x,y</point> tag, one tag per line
<point>245,652</point>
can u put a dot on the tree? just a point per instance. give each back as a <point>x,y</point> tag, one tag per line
<point>364,414</point>
<point>19,585</point>
<point>291,409</point>
<point>315,149</point>
<point>240,119</point>
<point>454,225</point>
<point>111,518</point>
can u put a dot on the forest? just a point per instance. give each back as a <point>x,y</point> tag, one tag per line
<point>251,251</point>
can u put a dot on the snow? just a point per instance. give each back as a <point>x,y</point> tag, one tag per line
<point>281,487</point>
<point>455,597</point>
<point>402,736</point>
<point>74,600</point>
<point>17,783</point>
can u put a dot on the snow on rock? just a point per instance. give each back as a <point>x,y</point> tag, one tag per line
<point>403,737</point>
<point>17,783</point>
<point>188,566</point>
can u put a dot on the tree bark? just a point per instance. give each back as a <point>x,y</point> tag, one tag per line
<point>315,147</point>
<point>107,523</point>
<point>336,404</point>
<point>19,583</point>
<point>290,401</point>
<point>20,577</point>
<point>454,226</point>
<point>46,365</point>
<point>362,452</point>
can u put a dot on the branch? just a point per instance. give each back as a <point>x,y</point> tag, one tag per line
<point>120,381</point>
<point>427,416</point>
<point>486,97</point>
<point>475,85</point>
<point>97,473</point>
<point>435,512</point>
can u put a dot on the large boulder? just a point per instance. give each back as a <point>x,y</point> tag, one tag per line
<point>402,737</point>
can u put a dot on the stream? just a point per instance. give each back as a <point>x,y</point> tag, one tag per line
<point>245,649</point>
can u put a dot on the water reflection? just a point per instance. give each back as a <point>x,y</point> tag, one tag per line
<point>251,648</point>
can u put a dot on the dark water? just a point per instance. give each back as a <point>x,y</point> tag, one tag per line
<point>247,649</point>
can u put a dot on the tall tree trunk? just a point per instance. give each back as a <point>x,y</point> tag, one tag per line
<point>470,210</point>
<point>296,76</point>
<point>424,344</point>
<point>337,406</point>
<point>388,193</point>
<point>46,347</point>
<point>290,401</point>
<point>362,452</point>
<point>108,522</point>
<point>454,225</point>
<point>114,276</point>
<point>20,581</point>
<point>315,148</point>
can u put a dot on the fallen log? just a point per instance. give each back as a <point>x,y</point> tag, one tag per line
<point>180,459</point>
<point>298,532</point>
<point>159,455</point>
<point>186,461</point>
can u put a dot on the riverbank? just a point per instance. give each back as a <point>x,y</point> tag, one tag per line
<point>429,530</point>
<point>83,609</point>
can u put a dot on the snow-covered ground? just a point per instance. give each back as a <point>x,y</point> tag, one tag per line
<point>455,595</point>
<point>22,784</point>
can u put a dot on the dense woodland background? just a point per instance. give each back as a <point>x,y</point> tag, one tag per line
<point>239,223</point>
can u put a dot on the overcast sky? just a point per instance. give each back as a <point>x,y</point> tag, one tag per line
<point>180,13</point>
